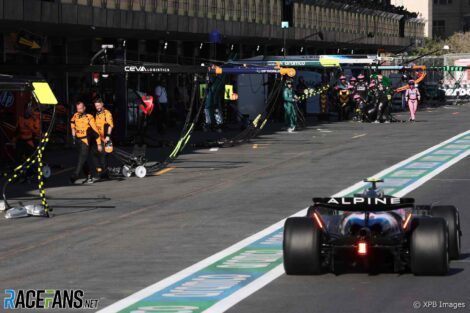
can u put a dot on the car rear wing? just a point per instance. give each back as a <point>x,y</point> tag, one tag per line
<point>361,204</point>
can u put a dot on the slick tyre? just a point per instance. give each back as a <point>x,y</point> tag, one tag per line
<point>302,247</point>
<point>310,212</point>
<point>428,247</point>
<point>451,215</point>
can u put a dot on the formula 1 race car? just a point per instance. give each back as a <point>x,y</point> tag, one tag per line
<point>372,231</point>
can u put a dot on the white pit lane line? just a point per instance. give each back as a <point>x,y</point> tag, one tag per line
<point>250,288</point>
<point>358,136</point>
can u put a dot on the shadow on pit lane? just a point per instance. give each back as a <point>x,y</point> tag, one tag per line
<point>218,167</point>
<point>464,256</point>
<point>376,270</point>
<point>82,209</point>
<point>218,164</point>
<point>454,271</point>
<point>65,207</point>
<point>212,161</point>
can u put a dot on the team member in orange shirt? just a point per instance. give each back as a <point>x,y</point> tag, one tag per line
<point>28,127</point>
<point>84,129</point>
<point>105,125</point>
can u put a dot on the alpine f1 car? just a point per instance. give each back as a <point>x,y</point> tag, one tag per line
<point>371,231</point>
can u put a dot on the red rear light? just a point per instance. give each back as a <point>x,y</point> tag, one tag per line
<point>318,220</point>
<point>362,248</point>
<point>407,221</point>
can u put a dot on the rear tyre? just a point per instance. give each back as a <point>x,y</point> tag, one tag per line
<point>310,212</point>
<point>302,246</point>
<point>428,247</point>
<point>451,215</point>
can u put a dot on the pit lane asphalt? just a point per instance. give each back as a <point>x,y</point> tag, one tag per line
<point>162,224</point>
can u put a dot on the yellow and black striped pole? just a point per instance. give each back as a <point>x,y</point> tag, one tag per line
<point>42,191</point>
<point>35,158</point>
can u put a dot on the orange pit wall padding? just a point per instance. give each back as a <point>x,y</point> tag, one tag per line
<point>417,81</point>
